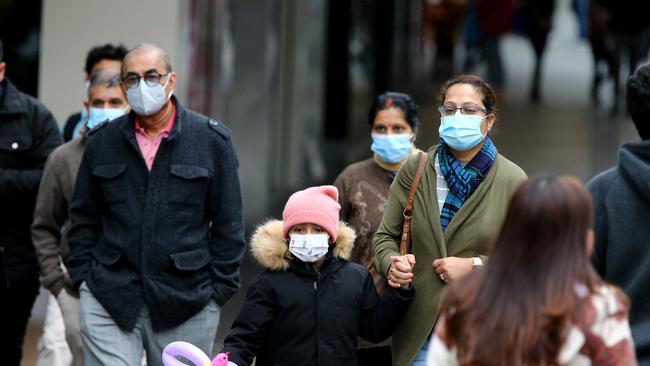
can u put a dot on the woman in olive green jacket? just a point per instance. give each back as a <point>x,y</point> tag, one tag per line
<point>459,206</point>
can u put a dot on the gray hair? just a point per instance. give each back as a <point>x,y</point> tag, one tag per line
<point>109,79</point>
<point>144,47</point>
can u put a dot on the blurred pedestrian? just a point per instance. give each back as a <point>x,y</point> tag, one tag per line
<point>622,203</point>
<point>602,49</point>
<point>487,22</point>
<point>538,300</point>
<point>363,188</point>
<point>106,101</point>
<point>28,134</point>
<point>444,17</point>
<point>537,16</point>
<point>157,224</point>
<point>108,58</point>
<point>311,302</point>
<point>627,26</point>
<point>460,204</point>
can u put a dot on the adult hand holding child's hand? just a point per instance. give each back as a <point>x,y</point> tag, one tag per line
<point>400,273</point>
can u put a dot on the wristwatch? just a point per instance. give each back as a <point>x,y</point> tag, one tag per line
<point>476,262</point>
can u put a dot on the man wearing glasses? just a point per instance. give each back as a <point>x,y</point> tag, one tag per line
<point>157,225</point>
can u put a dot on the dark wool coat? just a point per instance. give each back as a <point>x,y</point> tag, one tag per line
<point>294,315</point>
<point>28,134</point>
<point>170,239</point>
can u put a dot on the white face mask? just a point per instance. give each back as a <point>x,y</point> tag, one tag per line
<point>146,100</point>
<point>309,248</point>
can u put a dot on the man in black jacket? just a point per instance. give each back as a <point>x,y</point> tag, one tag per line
<point>157,223</point>
<point>28,133</point>
<point>622,201</point>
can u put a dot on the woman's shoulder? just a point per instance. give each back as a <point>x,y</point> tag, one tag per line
<point>357,168</point>
<point>603,302</point>
<point>510,170</point>
<point>411,165</point>
<point>600,322</point>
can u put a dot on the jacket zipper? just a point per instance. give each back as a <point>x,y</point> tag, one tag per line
<point>316,283</point>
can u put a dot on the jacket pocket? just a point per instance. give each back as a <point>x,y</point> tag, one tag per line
<point>191,260</point>
<point>112,185</point>
<point>106,255</point>
<point>109,171</point>
<point>187,188</point>
<point>187,171</point>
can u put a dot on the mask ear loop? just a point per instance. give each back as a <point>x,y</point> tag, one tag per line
<point>488,134</point>
<point>165,86</point>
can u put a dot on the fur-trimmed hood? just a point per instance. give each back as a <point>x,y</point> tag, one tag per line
<point>271,249</point>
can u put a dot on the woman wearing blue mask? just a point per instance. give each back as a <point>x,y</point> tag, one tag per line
<point>459,206</point>
<point>363,186</point>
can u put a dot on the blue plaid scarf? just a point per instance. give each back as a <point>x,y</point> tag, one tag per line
<point>462,181</point>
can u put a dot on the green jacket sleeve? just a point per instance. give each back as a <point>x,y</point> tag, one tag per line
<point>385,242</point>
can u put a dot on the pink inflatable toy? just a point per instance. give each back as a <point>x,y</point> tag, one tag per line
<point>192,353</point>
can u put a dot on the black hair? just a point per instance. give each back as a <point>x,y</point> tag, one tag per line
<point>395,100</point>
<point>638,100</point>
<point>488,95</point>
<point>105,52</point>
<point>2,51</point>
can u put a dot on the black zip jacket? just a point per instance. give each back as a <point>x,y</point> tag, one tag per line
<point>28,134</point>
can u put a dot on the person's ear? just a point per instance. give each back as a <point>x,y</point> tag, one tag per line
<point>491,119</point>
<point>415,135</point>
<point>123,87</point>
<point>172,81</point>
<point>590,241</point>
<point>3,68</point>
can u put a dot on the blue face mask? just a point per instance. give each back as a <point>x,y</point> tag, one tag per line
<point>392,148</point>
<point>461,132</point>
<point>99,115</point>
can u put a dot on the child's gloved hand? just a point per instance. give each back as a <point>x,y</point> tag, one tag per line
<point>222,360</point>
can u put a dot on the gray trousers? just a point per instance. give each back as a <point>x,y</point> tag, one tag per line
<point>106,344</point>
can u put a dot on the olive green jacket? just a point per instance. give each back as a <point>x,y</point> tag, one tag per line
<point>469,234</point>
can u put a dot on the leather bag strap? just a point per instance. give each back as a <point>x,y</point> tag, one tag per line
<point>405,242</point>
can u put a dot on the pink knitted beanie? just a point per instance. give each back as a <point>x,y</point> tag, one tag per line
<point>315,205</point>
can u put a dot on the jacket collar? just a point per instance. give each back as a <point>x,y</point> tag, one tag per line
<point>271,249</point>
<point>127,125</point>
<point>12,102</point>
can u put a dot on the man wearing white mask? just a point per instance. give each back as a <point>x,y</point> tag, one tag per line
<point>157,223</point>
<point>106,101</point>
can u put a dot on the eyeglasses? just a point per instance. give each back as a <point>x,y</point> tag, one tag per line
<point>447,110</point>
<point>151,79</point>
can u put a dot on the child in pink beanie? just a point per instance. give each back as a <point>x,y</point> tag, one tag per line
<point>310,303</point>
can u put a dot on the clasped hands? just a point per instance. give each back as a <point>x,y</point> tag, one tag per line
<point>448,269</point>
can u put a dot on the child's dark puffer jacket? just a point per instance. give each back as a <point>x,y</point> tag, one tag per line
<point>294,315</point>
